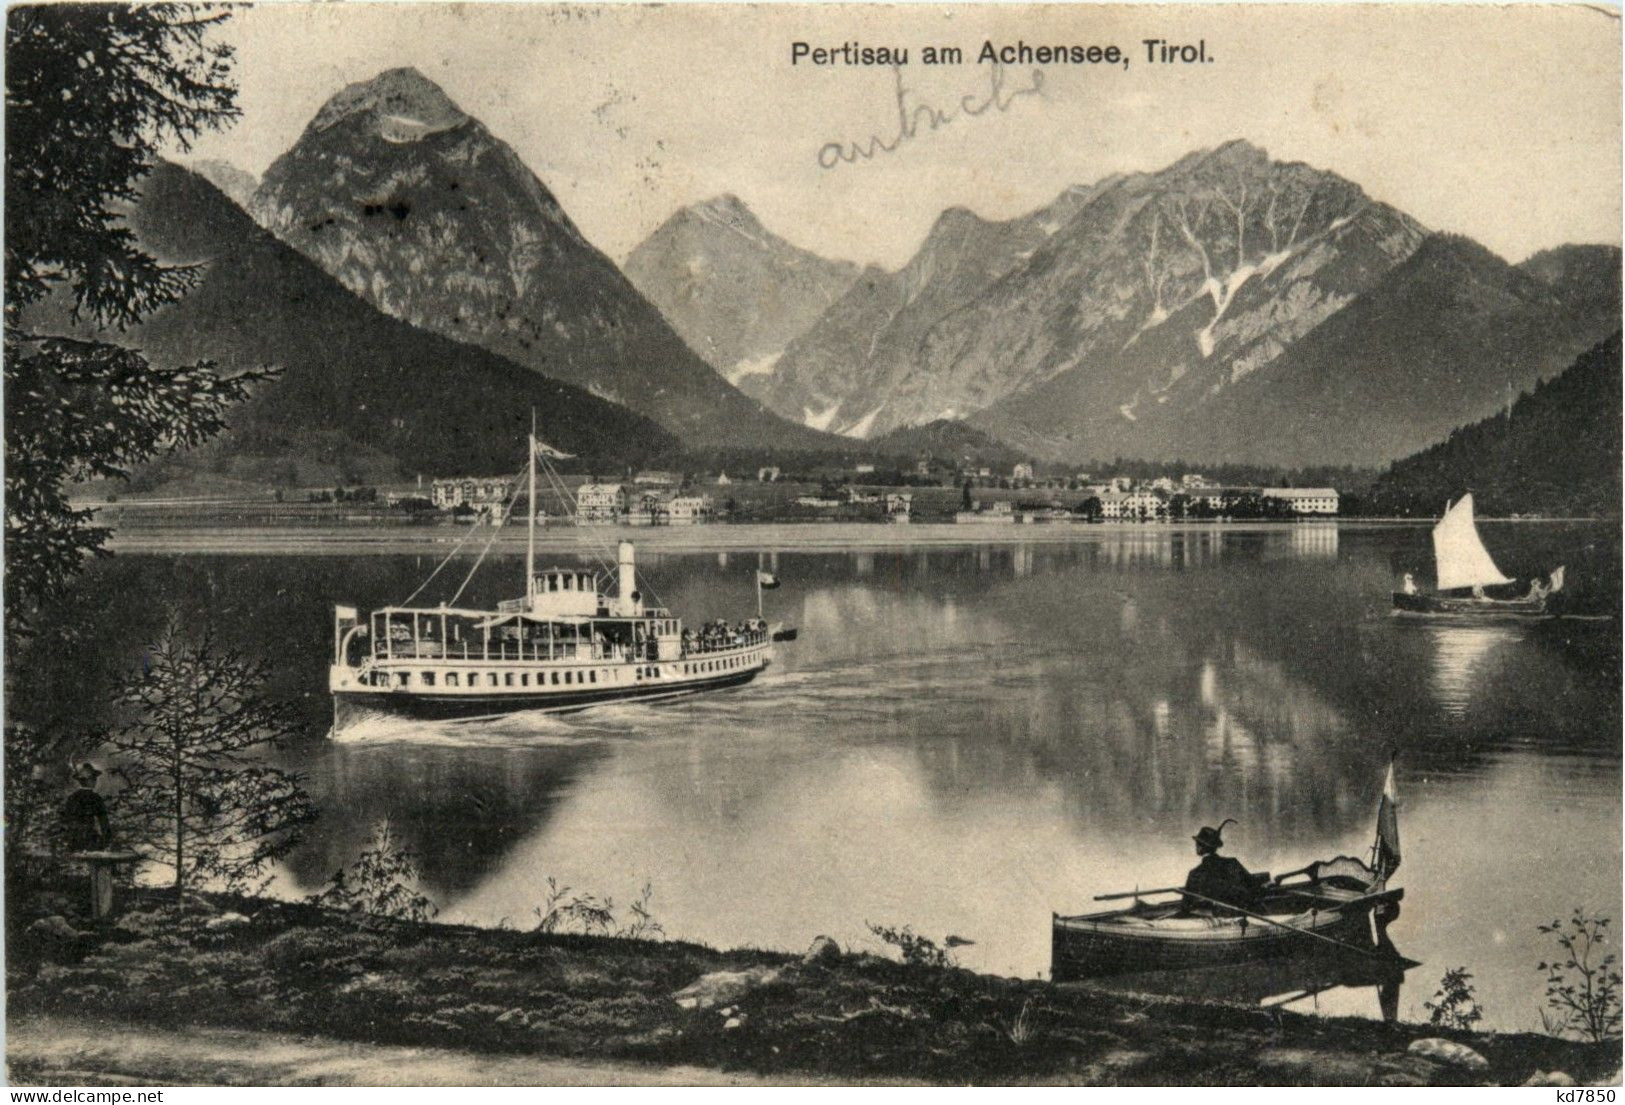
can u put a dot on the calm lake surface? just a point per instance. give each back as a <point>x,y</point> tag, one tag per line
<point>965,739</point>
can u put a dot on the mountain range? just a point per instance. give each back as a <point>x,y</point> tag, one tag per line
<point>419,209</point>
<point>422,289</point>
<point>360,395</point>
<point>1228,307</point>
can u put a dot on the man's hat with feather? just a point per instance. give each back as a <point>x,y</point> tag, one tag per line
<point>1209,837</point>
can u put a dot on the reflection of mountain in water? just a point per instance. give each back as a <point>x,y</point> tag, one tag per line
<point>1049,719</point>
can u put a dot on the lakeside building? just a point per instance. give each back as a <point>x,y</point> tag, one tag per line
<point>1022,472</point>
<point>472,491</point>
<point>899,508</point>
<point>1143,505</point>
<point>1216,499</point>
<point>768,474</point>
<point>1305,500</point>
<point>657,479</point>
<point>613,504</point>
<point>998,513</point>
<point>644,508</point>
<point>686,510</point>
<point>598,503</point>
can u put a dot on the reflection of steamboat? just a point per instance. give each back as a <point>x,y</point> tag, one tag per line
<point>576,639</point>
<point>1465,569</point>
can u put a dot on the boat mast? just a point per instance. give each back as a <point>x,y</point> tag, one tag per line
<point>530,509</point>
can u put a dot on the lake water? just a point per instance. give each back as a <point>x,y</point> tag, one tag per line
<point>965,739</point>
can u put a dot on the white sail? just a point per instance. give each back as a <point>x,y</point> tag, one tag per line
<point>1462,559</point>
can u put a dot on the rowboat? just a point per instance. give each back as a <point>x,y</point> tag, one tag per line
<point>1340,901</point>
<point>1342,904</point>
<point>1464,568</point>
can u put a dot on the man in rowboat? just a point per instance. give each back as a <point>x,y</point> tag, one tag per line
<point>1219,878</point>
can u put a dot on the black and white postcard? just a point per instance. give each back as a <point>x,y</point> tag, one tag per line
<point>812,544</point>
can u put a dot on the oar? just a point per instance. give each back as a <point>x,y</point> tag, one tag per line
<point>1288,928</point>
<point>1137,893</point>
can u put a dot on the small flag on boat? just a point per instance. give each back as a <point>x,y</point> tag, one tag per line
<point>346,613</point>
<point>766,580</point>
<point>1388,826</point>
<point>543,449</point>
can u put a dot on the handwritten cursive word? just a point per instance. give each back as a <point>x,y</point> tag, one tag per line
<point>910,118</point>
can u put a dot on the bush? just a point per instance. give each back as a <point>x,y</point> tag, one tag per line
<point>1582,985</point>
<point>590,915</point>
<point>383,881</point>
<point>1454,1004</point>
<point>916,950</point>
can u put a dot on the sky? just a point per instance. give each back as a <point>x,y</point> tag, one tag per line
<point>1501,123</point>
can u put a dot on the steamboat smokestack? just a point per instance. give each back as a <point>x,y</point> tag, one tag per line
<point>628,577</point>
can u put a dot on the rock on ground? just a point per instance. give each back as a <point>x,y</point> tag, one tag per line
<point>822,950</point>
<point>723,987</point>
<point>1450,1053</point>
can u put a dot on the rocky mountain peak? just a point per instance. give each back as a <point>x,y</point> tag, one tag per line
<point>956,220</point>
<point>1237,152</point>
<point>431,218</point>
<point>404,103</point>
<point>726,210</point>
<point>735,291</point>
<point>727,206</point>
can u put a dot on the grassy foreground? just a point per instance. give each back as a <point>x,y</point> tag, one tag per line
<point>296,969</point>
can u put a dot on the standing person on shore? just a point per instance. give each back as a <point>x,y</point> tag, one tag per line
<point>86,828</point>
<point>84,813</point>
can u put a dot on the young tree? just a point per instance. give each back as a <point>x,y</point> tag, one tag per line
<point>198,794</point>
<point>382,882</point>
<point>92,92</point>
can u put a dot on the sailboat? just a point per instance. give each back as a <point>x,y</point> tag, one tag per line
<point>577,638</point>
<point>1464,569</point>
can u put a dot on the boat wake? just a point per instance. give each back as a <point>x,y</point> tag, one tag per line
<point>518,729</point>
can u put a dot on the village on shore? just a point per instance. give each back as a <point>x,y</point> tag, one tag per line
<point>861,493</point>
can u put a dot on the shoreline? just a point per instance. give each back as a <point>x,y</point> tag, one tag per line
<point>745,537</point>
<point>354,994</point>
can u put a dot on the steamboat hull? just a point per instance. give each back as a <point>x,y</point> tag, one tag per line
<point>1116,944</point>
<point>350,705</point>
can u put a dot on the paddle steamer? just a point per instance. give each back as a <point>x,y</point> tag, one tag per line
<point>576,639</point>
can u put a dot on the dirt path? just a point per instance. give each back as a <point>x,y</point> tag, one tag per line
<point>58,1051</point>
